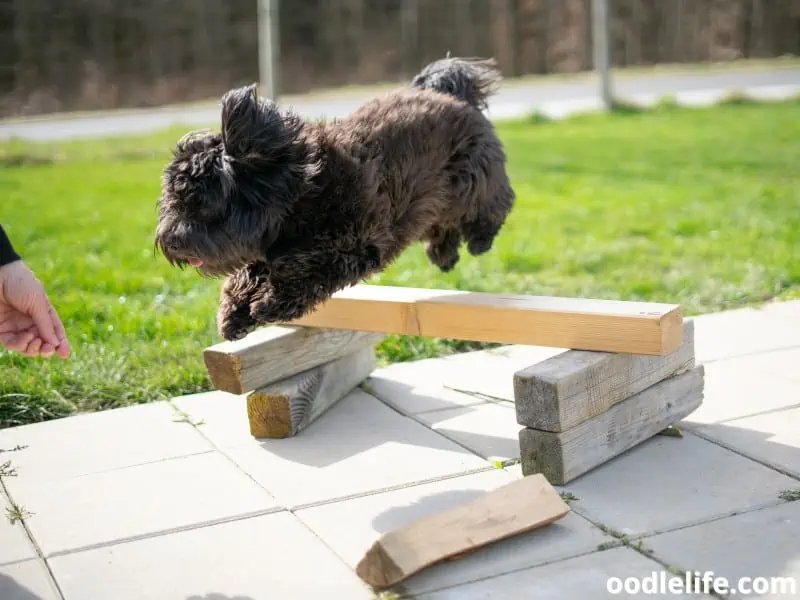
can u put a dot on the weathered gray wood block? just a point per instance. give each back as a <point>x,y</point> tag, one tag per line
<point>271,354</point>
<point>285,408</point>
<point>562,457</point>
<point>572,387</point>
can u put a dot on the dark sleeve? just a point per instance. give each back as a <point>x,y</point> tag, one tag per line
<point>7,253</point>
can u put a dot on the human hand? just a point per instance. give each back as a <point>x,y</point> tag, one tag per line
<point>28,322</point>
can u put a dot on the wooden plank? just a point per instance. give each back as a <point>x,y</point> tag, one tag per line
<point>563,391</point>
<point>520,506</point>
<point>271,354</point>
<point>562,457</point>
<point>285,408</point>
<point>575,323</point>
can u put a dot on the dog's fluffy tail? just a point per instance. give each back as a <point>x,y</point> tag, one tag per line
<point>472,80</point>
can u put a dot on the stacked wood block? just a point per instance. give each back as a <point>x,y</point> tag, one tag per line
<point>579,409</point>
<point>291,375</point>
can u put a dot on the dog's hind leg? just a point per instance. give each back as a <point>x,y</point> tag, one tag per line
<point>491,202</point>
<point>478,184</point>
<point>442,247</point>
<point>480,232</point>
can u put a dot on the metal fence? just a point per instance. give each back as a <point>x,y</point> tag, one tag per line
<point>60,55</point>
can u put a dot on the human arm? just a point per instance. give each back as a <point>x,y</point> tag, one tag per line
<point>7,252</point>
<point>28,322</point>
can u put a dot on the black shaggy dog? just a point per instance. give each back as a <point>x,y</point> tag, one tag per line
<point>292,211</point>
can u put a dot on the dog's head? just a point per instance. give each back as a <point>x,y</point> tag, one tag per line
<point>224,196</point>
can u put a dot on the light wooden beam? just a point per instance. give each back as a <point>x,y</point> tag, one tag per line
<point>271,354</point>
<point>574,323</point>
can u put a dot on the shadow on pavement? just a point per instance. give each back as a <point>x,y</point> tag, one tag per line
<point>11,590</point>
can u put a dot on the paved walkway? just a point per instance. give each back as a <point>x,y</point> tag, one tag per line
<point>178,502</point>
<point>556,98</point>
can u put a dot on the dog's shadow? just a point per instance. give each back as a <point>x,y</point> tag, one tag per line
<point>399,516</point>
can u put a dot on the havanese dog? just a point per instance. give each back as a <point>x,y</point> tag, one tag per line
<point>290,211</point>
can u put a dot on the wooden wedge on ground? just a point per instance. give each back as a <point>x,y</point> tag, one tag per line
<point>516,508</point>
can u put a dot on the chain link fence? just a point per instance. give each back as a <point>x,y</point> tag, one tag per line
<point>66,55</point>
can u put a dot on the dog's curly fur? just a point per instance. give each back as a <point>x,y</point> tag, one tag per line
<point>291,211</point>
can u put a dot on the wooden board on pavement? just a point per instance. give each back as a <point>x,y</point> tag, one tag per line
<point>520,506</point>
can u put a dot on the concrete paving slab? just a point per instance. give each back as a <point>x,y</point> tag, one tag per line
<point>350,527</point>
<point>14,543</point>
<point>81,512</point>
<point>264,558</point>
<point>666,483</point>
<point>489,430</point>
<point>27,580</point>
<point>456,380</point>
<point>360,446</point>
<point>735,389</point>
<point>759,545</point>
<point>101,441</point>
<point>416,387</point>
<point>221,417</point>
<point>491,372</point>
<point>741,332</point>
<point>789,309</point>
<point>772,438</point>
<point>782,364</point>
<point>592,576</point>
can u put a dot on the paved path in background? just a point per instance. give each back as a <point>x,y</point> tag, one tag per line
<point>512,100</point>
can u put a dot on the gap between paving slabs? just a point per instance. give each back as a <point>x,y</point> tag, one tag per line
<point>638,543</point>
<point>17,515</point>
<point>710,433</point>
<point>184,417</point>
<point>478,443</point>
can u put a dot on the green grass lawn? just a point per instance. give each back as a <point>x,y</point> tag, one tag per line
<point>693,206</point>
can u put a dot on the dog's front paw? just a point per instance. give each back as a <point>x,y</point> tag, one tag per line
<point>480,244</point>
<point>372,258</point>
<point>234,324</point>
<point>274,310</point>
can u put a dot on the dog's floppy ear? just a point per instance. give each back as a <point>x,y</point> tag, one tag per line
<point>253,130</point>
